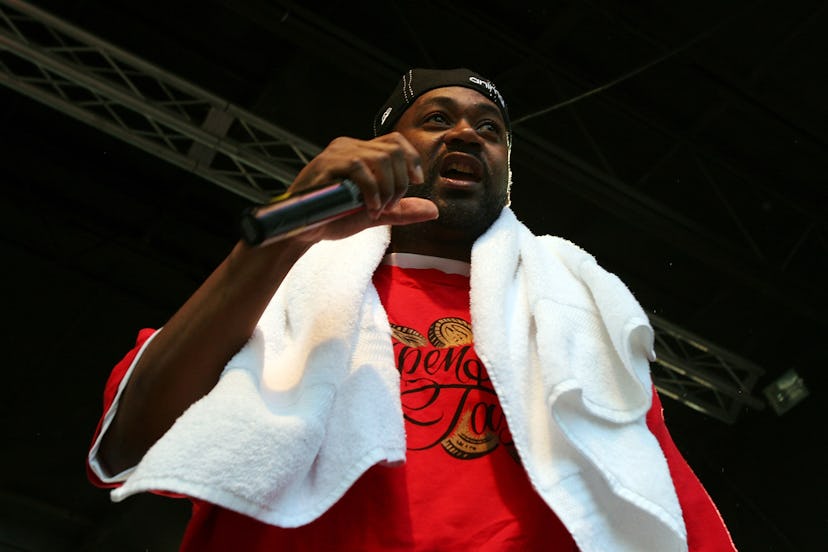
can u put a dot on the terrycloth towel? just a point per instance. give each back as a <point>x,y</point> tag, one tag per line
<point>312,400</point>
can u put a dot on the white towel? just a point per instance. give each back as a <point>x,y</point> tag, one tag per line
<point>312,401</point>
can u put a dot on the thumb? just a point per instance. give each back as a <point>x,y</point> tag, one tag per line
<point>409,210</point>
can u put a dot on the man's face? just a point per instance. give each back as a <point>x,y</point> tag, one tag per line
<point>461,137</point>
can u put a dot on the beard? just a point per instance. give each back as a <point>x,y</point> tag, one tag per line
<point>463,213</point>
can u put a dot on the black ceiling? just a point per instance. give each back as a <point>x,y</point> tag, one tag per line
<point>697,173</point>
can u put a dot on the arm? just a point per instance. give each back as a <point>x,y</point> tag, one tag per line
<point>184,361</point>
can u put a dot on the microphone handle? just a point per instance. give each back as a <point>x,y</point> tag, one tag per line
<point>296,213</point>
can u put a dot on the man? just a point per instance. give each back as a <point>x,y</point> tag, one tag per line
<point>480,387</point>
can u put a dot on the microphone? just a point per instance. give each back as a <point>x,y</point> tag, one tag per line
<point>287,214</point>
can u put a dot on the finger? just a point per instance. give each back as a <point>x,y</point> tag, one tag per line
<point>387,161</point>
<point>407,166</point>
<point>389,167</point>
<point>412,157</point>
<point>362,175</point>
<point>401,177</point>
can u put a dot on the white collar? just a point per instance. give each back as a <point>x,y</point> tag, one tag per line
<point>413,260</point>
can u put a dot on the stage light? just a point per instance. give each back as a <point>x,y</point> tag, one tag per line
<point>786,392</point>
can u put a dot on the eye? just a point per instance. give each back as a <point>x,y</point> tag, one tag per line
<point>438,117</point>
<point>489,127</point>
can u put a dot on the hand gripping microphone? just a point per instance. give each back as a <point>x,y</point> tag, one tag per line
<point>290,214</point>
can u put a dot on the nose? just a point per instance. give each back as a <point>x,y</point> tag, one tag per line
<point>462,133</point>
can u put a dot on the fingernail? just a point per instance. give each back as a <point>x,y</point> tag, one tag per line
<point>418,174</point>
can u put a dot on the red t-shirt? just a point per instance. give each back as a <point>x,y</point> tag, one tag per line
<point>462,484</point>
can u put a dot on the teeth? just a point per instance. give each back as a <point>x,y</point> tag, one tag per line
<point>459,167</point>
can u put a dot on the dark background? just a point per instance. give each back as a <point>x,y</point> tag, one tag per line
<point>702,185</point>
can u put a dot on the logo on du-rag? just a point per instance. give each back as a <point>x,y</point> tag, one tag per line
<point>385,116</point>
<point>491,89</point>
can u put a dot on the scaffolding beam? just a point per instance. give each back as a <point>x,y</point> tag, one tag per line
<point>91,80</point>
<point>702,375</point>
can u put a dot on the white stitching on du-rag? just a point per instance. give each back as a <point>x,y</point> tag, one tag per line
<point>410,81</point>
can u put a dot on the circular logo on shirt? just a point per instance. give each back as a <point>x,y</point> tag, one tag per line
<point>450,332</point>
<point>465,443</point>
<point>408,336</point>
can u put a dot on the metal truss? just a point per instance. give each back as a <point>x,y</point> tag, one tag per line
<point>108,88</point>
<point>701,375</point>
<point>74,72</point>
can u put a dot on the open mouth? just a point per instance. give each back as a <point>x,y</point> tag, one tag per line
<point>459,167</point>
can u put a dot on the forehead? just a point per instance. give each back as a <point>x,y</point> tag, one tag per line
<point>456,98</point>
